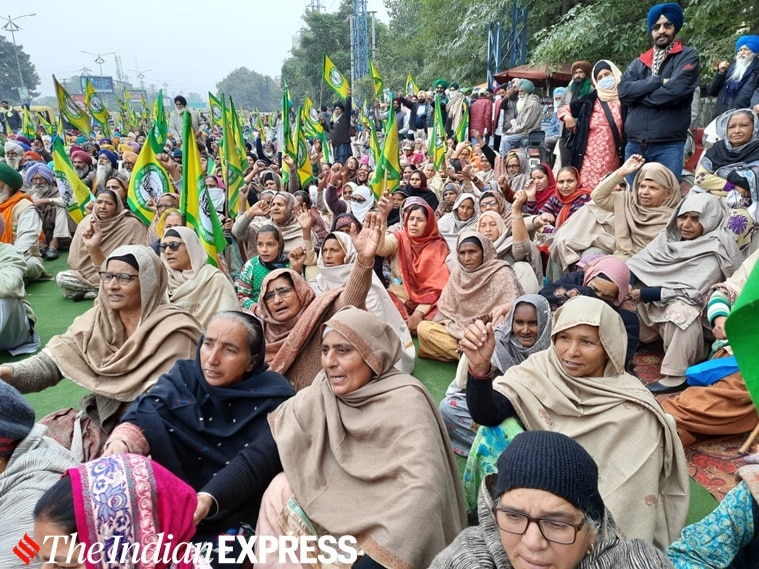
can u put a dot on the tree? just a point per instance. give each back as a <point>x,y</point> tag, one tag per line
<point>9,80</point>
<point>250,90</point>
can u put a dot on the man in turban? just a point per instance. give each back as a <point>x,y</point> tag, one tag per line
<point>580,84</point>
<point>14,152</point>
<point>82,163</point>
<point>529,115</point>
<point>128,160</point>
<point>657,89</point>
<point>22,221</point>
<point>340,135</point>
<point>736,85</point>
<point>107,164</point>
<point>56,222</point>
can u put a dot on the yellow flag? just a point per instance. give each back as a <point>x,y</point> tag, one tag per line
<point>149,181</point>
<point>377,80</point>
<point>335,79</point>
<point>96,107</point>
<point>74,192</point>
<point>71,110</point>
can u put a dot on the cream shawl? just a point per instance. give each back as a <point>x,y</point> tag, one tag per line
<point>96,353</point>
<point>375,463</point>
<point>643,475</point>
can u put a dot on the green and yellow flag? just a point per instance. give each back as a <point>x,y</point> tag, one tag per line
<point>374,146</point>
<point>59,130</point>
<point>160,129</point>
<point>71,110</point>
<point>411,86</point>
<point>335,79</point>
<point>195,204</point>
<point>97,109</point>
<point>216,109</point>
<point>44,123</point>
<point>437,146</point>
<point>379,86</point>
<point>290,144</point>
<point>387,174</point>
<point>27,126</point>
<point>311,124</point>
<point>231,167</point>
<point>149,181</point>
<point>462,130</point>
<point>74,192</point>
<point>305,172</point>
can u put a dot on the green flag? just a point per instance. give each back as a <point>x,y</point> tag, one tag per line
<point>462,130</point>
<point>387,174</point>
<point>231,169</point>
<point>377,80</point>
<point>71,110</point>
<point>160,128</point>
<point>149,181</point>
<point>335,79</point>
<point>437,146</point>
<point>216,109</point>
<point>743,333</point>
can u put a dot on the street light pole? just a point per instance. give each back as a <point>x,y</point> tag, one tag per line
<point>99,59</point>
<point>12,27</point>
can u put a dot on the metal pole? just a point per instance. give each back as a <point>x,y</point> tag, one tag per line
<point>12,27</point>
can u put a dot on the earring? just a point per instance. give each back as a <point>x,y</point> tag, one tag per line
<point>590,549</point>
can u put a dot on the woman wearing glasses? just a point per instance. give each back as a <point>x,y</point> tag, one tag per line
<point>116,350</point>
<point>110,225</point>
<point>579,387</point>
<point>543,509</point>
<point>292,313</point>
<point>194,285</point>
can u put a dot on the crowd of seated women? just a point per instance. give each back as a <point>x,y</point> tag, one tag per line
<point>272,386</point>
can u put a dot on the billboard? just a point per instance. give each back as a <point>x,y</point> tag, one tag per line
<point>102,84</point>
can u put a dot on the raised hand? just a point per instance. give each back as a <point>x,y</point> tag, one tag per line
<point>297,258</point>
<point>258,209</point>
<point>369,239</point>
<point>631,165</point>
<point>520,198</point>
<point>385,205</point>
<point>304,216</point>
<point>478,344</point>
<point>92,235</point>
<point>532,192</point>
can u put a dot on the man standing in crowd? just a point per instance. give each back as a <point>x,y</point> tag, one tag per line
<point>580,84</point>
<point>736,85</point>
<point>340,134</point>
<point>177,121</point>
<point>481,114</point>
<point>657,89</point>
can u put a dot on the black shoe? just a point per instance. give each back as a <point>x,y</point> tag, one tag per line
<point>658,388</point>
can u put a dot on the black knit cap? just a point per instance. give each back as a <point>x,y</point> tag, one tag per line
<point>553,462</point>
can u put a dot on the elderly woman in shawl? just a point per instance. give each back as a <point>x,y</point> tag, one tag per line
<point>549,479</point>
<point>194,285</point>
<point>117,349</point>
<point>229,387</point>
<point>292,313</point>
<point>448,198</point>
<point>110,225</point>
<point>146,505</point>
<point>579,387</point>
<point>527,330</point>
<point>730,170</point>
<point>675,272</point>
<point>340,481</point>
<point>164,203</point>
<point>337,257</point>
<point>463,216</point>
<point>480,286</point>
<point>417,254</point>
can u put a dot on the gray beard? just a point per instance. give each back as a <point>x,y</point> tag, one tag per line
<point>82,172</point>
<point>520,104</point>
<point>126,173</point>
<point>739,68</point>
<point>13,162</point>
<point>103,171</point>
<point>5,193</point>
<point>39,191</point>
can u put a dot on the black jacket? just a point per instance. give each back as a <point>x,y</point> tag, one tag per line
<point>581,110</point>
<point>340,133</point>
<point>744,98</point>
<point>659,112</point>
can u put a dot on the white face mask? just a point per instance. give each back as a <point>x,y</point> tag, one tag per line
<point>607,82</point>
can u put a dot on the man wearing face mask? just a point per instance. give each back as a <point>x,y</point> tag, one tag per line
<point>23,222</point>
<point>657,89</point>
<point>56,223</point>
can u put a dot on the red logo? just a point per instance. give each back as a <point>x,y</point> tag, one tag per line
<point>26,548</point>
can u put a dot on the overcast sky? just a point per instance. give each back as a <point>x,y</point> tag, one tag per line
<point>188,45</point>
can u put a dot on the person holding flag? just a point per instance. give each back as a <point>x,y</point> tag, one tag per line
<point>340,136</point>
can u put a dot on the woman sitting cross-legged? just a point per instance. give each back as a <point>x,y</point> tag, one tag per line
<point>579,387</point>
<point>205,412</point>
<point>480,285</point>
<point>364,454</point>
<point>117,349</point>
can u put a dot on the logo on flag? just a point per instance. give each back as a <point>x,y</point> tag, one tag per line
<point>64,188</point>
<point>336,78</point>
<point>96,104</point>
<point>73,109</point>
<point>151,181</point>
<point>216,113</point>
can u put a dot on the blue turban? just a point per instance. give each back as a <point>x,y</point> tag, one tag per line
<point>558,92</point>
<point>526,85</point>
<point>670,10</point>
<point>38,169</point>
<point>111,157</point>
<point>751,42</point>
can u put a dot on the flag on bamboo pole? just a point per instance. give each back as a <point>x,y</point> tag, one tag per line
<point>742,332</point>
<point>305,171</point>
<point>160,128</point>
<point>437,145</point>
<point>71,110</point>
<point>27,126</point>
<point>462,130</point>
<point>216,110</point>
<point>311,120</point>
<point>73,190</point>
<point>388,170</point>
<point>97,109</point>
<point>149,181</point>
<point>335,79</point>
<point>231,168</point>
<point>379,86</point>
<point>195,204</point>
<point>411,85</point>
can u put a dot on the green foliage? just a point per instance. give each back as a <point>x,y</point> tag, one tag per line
<point>250,90</point>
<point>9,81</point>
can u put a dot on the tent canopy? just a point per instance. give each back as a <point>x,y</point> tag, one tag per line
<point>541,73</point>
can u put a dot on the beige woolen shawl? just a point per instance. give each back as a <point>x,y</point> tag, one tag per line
<point>375,463</point>
<point>96,353</point>
<point>643,475</point>
<point>636,226</point>
<point>122,229</point>
<point>203,290</point>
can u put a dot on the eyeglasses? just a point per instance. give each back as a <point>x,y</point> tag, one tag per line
<point>282,292</point>
<point>173,245</point>
<point>555,531</point>
<point>665,25</point>
<point>488,204</point>
<point>122,278</point>
<point>512,166</point>
<point>357,199</point>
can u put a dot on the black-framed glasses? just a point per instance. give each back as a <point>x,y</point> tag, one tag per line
<point>173,245</point>
<point>665,25</point>
<point>555,531</point>
<point>282,292</point>
<point>122,278</point>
